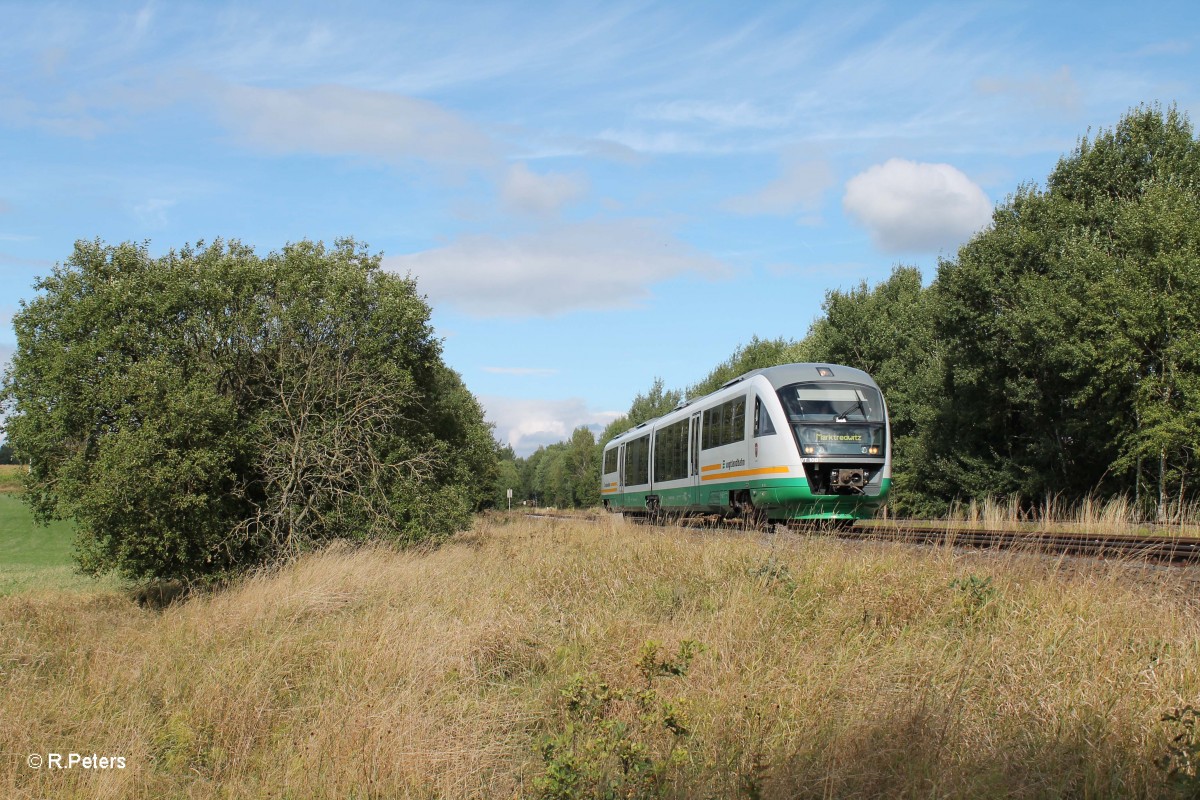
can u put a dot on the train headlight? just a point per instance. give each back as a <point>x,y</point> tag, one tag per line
<point>873,450</point>
<point>809,449</point>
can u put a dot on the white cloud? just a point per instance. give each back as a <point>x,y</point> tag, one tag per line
<point>913,207</point>
<point>1057,91</point>
<point>153,212</point>
<point>19,261</point>
<point>823,270</point>
<point>340,120</point>
<point>528,424</point>
<point>563,268</point>
<point>520,371</point>
<point>800,188</point>
<point>528,192</point>
<point>740,114</point>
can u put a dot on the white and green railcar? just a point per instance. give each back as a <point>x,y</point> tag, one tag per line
<point>793,442</point>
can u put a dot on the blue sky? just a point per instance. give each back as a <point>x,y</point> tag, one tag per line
<point>591,195</point>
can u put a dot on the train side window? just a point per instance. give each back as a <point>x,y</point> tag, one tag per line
<point>724,424</point>
<point>637,461</point>
<point>737,427</point>
<point>762,420</point>
<point>670,452</point>
<point>711,429</point>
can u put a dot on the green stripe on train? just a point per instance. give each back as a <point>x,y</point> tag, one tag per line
<point>781,498</point>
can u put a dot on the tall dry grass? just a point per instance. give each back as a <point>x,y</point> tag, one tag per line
<point>829,670</point>
<point>1115,515</point>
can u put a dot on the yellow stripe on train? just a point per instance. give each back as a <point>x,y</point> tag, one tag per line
<point>745,473</point>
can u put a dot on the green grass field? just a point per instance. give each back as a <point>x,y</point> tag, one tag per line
<point>37,558</point>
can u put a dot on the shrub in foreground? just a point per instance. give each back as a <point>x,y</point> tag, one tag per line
<point>212,410</point>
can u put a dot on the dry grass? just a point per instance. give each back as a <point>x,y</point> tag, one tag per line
<point>11,476</point>
<point>830,670</point>
<point>1111,516</point>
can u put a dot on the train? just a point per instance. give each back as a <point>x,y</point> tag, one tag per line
<point>796,443</point>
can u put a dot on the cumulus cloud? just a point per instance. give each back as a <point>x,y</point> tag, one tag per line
<point>340,120</point>
<point>913,207</point>
<point>525,191</point>
<point>563,268</point>
<point>528,424</point>
<point>800,189</point>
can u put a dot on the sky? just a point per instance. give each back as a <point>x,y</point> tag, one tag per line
<point>590,195</point>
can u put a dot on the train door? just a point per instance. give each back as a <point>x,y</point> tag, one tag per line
<point>757,423</point>
<point>621,470</point>
<point>694,455</point>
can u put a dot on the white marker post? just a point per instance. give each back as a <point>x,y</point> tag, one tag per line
<point>510,499</point>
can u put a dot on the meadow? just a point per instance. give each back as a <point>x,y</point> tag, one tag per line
<point>32,557</point>
<point>563,658</point>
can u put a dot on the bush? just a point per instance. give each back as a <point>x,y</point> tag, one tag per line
<point>212,410</point>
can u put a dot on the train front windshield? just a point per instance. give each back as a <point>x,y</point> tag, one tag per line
<point>835,418</point>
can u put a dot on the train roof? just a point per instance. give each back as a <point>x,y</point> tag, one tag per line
<point>785,374</point>
<point>778,377</point>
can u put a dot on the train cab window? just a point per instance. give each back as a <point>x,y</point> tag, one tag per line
<point>831,402</point>
<point>610,460</point>
<point>835,418</point>
<point>762,420</point>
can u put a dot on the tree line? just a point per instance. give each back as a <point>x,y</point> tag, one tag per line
<point>1056,354</point>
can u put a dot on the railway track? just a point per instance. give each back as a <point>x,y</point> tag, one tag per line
<point>1160,549</point>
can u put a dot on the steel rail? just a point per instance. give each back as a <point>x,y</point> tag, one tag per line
<point>1163,549</point>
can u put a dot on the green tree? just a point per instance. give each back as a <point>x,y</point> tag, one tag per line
<point>1143,314</point>
<point>583,467</point>
<point>551,479</point>
<point>1069,325</point>
<point>507,476</point>
<point>210,410</point>
<point>6,454</point>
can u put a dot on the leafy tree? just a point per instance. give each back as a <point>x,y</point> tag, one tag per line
<point>211,410</point>
<point>507,476</point>
<point>6,454</point>
<point>1143,315</point>
<point>552,480</point>
<point>1069,326</point>
<point>583,468</point>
